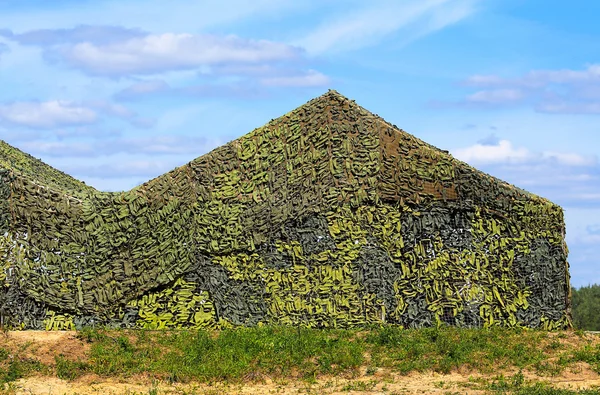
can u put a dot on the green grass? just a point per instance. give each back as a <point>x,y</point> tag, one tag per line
<point>443,349</point>
<point>14,366</point>
<point>589,354</point>
<point>231,355</point>
<point>18,368</point>
<point>250,354</point>
<point>67,369</point>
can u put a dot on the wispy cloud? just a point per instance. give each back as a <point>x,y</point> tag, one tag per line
<point>152,145</point>
<point>13,136</point>
<point>575,107</point>
<point>539,78</point>
<point>46,114</point>
<point>492,150</point>
<point>124,169</point>
<point>62,113</point>
<point>486,152</point>
<point>143,88</point>
<point>308,79</point>
<point>239,88</point>
<point>366,25</point>
<point>569,178</point>
<point>153,54</point>
<point>496,96</point>
<point>235,85</point>
<point>147,14</point>
<point>120,111</point>
<point>491,140</point>
<point>117,51</point>
<point>220,64</point>
<point>84,132</point>
<point>100,35</point>
<point>549,91</point>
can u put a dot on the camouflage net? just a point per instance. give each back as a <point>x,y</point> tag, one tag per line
<point>325,217</point>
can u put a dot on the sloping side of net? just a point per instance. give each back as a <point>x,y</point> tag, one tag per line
<point>325,217</point>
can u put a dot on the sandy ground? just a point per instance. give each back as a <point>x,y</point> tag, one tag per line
<point>376,384</point>
<point>45,345</point>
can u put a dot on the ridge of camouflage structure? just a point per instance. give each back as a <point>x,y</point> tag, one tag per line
<point>325,217</point>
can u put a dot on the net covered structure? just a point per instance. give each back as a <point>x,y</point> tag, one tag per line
<point>326,217</point>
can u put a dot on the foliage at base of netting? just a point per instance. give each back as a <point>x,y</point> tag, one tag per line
<point>327,217</point>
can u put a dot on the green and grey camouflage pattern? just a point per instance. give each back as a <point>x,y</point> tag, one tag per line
<point>325,217</point>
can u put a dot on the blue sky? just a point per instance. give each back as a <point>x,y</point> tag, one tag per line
<point>118,92</point>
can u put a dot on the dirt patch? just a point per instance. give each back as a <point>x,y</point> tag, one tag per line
<point>388,383</point>
<point>573,340</point>
<point>577,376</point>
<point>380,382</point>
<point>45,346</point>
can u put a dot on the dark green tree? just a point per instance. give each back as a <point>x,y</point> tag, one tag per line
<point>586,307</point>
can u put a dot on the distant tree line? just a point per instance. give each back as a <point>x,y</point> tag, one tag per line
<point>586,307</point>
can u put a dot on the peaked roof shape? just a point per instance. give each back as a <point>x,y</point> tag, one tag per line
<point>330,111</point>
<point>339,145</point>
<point>327,154</point>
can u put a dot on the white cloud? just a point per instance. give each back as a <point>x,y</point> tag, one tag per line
<point>309,79</point>
<point>242,88</point>
<point>570,108</point>
<point>501,152</point>
<point>539,78</point>
<point>60,113</point>
<point>485,80</point>
<point>234,64</point>
<point>565,76</point>
<point>441,17</point>
<point>86,132</point>
<point>582,225</point>
<point>58,148</point>
<point>13,135</point>
<point>166,145</point>
<point>113,109</point>
<point>496,96</point>
<point>81,33</point>
<point>570,159</point>
<point>47,114</point>
<point>124,169</point>
<point>120,111</point>
<point>364,26</point>
<point>259,70</point>
<point>564,177</point>
<point>551,91</point>
<point>491,150</point>
<point>152,145</point>
<point>156,53</point>
<point>235,85</point>
<point>143,88</point>
<point>590,196</point>
<point>149,14</point>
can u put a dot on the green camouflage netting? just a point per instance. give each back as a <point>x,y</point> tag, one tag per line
<point>326,217</point>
